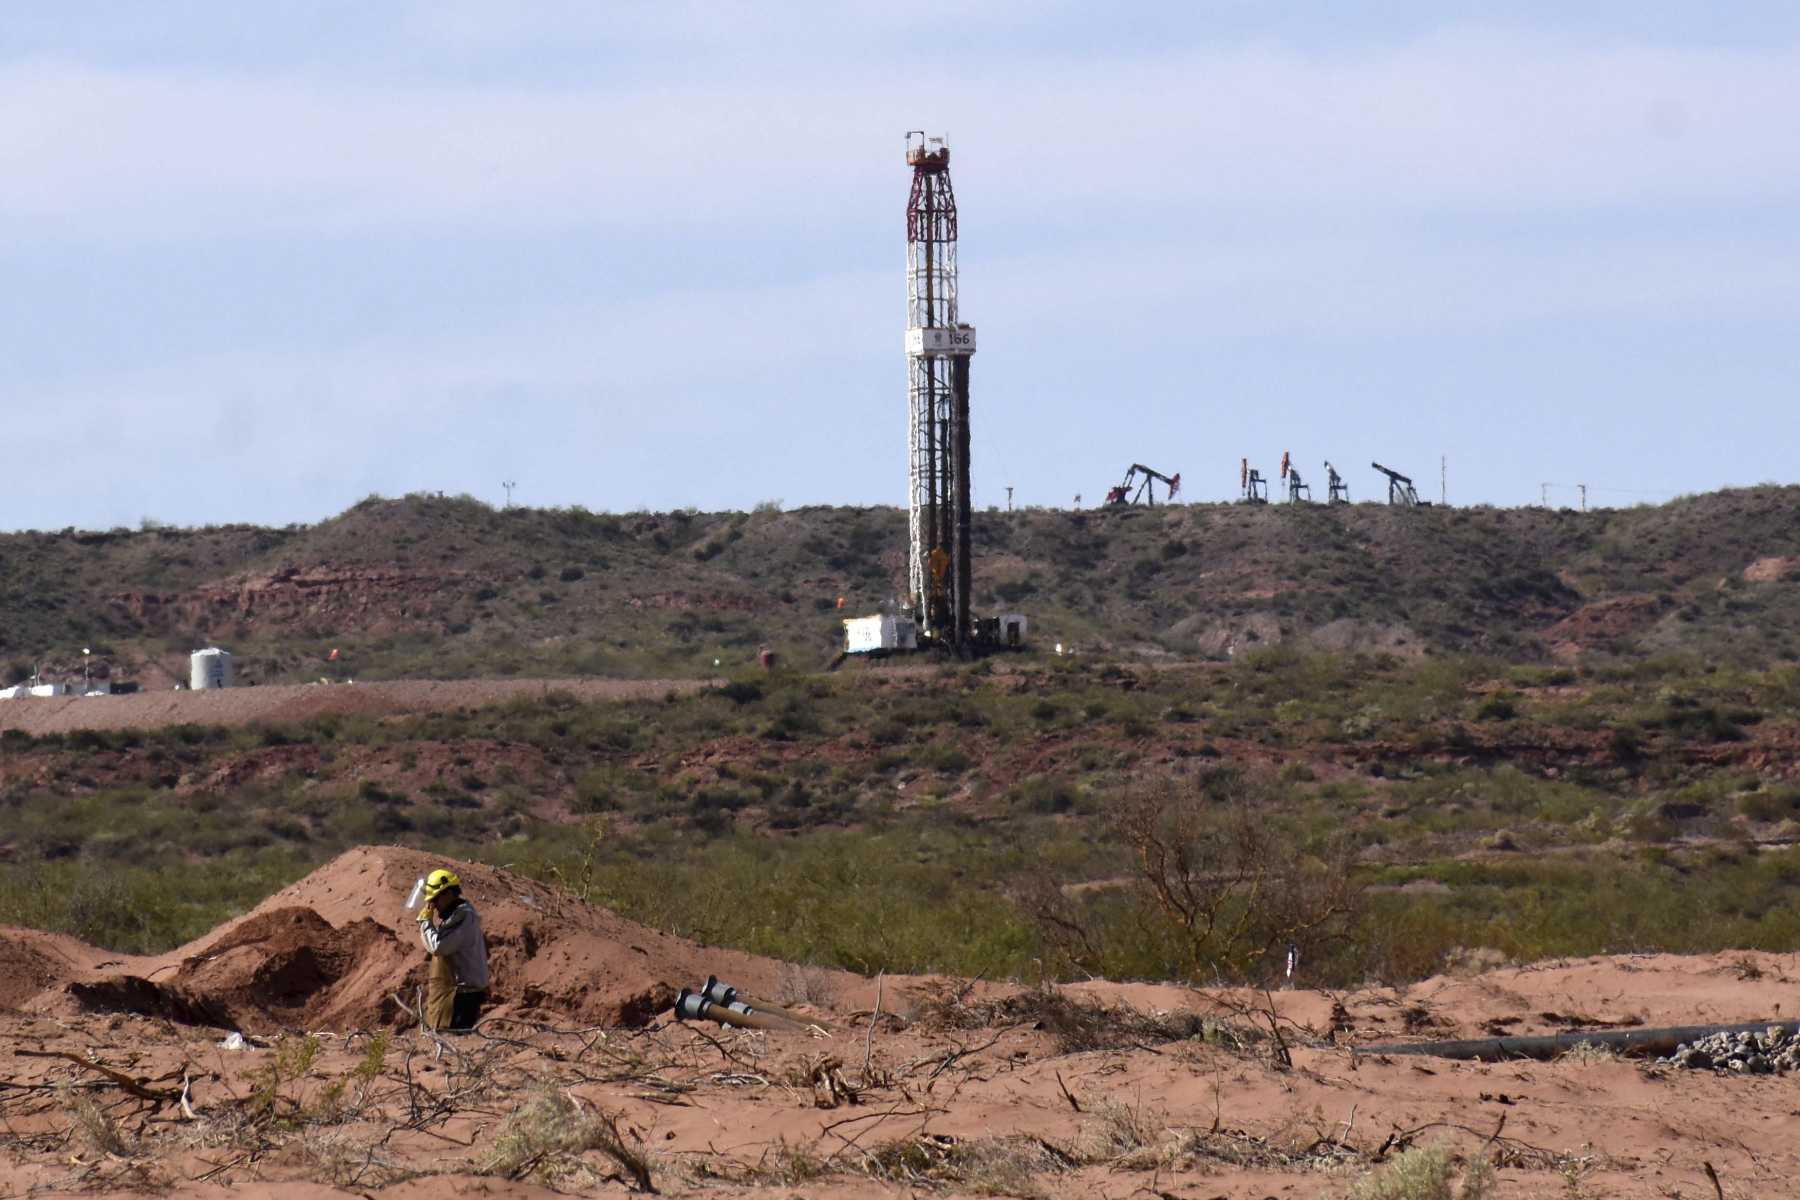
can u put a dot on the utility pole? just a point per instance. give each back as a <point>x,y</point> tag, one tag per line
<point>509,485</point>
<point>1583,488</point>
<point>1009,497</point>
<point>1443,479</point>
<point>86,686</point>
<point>1544,494</point>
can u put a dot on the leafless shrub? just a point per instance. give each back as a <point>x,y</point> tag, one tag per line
<point>1076,1024</point>
<point>1745,968</point>
<point>1006,1166</point>
<point>1235,886</point>
<point>549,1133</point>
<point>1588,1054</point>
<point>1122,1133</point>
<point>787,1165</point>
<point>1467,961</point>
<point>98,1128</point>
<point>348,1161</point>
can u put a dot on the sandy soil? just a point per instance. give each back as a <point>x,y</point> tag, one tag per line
<point>300,702</point>
<point>902,1086</point>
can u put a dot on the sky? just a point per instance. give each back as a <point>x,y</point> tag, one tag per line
<point>261,261</point>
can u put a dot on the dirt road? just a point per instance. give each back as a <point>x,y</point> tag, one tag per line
<point>300,702</point>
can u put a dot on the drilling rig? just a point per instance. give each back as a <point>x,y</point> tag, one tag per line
<point>939,345</point>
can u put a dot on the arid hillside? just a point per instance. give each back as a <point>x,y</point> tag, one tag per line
<point>448,588</point>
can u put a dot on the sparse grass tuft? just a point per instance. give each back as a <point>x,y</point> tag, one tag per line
<point>1425,1173</point>
<point>548,1134</point>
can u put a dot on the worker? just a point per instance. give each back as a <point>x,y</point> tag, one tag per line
<point>457,983</point>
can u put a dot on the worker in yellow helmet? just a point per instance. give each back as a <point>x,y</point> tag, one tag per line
<point>457,984</point>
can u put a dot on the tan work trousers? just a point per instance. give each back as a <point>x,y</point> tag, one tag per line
<point>440,993</point>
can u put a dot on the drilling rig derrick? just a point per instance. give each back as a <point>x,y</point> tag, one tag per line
<point>938,349</point>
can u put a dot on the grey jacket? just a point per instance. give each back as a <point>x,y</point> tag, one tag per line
<point>459,939</point>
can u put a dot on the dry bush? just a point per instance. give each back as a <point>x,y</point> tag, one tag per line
<point>1465,962</point>
<point>1003,1166</point>
<point>805,985</point>
<point>1588,1054</point>
<point>787,1165</point>
<point>1076,1024</point>
<point>1424,1173</point>
<point>1234,886</point>
<point>98,1128</point>
<point>1128,1136</point>
<point>549,1133</point>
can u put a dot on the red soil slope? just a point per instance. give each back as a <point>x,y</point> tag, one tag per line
<point>334,950</point>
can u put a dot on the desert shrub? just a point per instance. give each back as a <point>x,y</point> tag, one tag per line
<point>1498,707</point>
<point>1425,1173</point>
<point>1230,881</point>
<point>548,1134</point>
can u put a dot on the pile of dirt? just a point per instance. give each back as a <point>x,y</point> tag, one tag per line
<point>338,949</point>
<point>32,961</point>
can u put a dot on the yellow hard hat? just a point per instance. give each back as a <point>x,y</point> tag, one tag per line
<point>440,880</point>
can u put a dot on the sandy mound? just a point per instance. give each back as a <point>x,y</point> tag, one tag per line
<point>333,951</point>
<point>31,961</point>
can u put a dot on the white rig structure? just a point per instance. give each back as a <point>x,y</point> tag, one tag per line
<point>938,347</point>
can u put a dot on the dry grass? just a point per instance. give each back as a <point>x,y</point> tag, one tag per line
<point>1425,1173</point>
<point>1077,1025</point>
<point>1588,1054</point>
<point>98,1128</point>
<point>550,1133</point>
<point>799,984</point>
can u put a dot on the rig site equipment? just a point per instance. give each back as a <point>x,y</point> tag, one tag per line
<point>1400,489</point>
<point>1255,487</point>
<point>1337,491</point>
<point>1140,484</point>
<point>938,610</point>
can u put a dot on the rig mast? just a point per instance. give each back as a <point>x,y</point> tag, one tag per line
<point>938,346</point>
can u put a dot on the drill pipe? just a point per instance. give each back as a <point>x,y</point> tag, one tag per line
<point>720,992</point>
<point>1638,1042</point>
<point>692,1006</point>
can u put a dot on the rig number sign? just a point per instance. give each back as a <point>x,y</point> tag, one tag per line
<point>931,343</point>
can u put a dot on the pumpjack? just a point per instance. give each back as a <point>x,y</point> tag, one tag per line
<point>1337,491</point>
<point>1296,487</point>
<point>1400,489</point>
<point>1256,488</point>
<point>1145,487</point>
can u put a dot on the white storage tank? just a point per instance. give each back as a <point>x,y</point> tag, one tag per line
<point>879,634</point>
<point>209,668</point>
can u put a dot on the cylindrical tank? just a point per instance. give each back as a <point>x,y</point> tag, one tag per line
<point>209,668</point>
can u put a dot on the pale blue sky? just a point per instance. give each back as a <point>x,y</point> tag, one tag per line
<point>264,259</point>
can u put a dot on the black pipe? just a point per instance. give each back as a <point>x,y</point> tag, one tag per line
<point>1548,1046</point>
<point>959,452</point>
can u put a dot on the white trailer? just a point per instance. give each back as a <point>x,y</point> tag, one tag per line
<point>880,634</point>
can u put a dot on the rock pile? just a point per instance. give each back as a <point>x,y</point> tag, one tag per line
<point>1775,1052</point>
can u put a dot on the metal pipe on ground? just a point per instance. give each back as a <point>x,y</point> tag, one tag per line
<point>720,992</point>
<point>692,1006</point>
<point>1635,1042</point>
